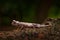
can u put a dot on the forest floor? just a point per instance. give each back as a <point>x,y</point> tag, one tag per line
<point>7,28</point>
<point>44,33</point>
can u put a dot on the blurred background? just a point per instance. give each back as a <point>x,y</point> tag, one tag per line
<point>28,10</point>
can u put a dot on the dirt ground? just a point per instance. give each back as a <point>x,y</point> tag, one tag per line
<point>44,33</point>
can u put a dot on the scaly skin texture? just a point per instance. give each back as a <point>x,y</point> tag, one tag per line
<point>51,32</point>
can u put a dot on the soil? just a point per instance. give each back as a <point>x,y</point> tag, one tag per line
<point>45,33</point>
<point>7,28</point>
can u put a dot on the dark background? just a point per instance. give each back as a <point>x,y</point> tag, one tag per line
<point>28,10</point>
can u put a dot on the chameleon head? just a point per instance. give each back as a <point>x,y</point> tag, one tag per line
<point>15,23</point>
